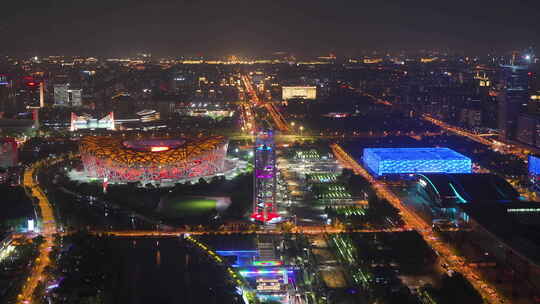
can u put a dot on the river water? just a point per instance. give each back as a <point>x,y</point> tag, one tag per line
<point>165,271</point>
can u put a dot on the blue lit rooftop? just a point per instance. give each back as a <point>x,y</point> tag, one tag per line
<point>534,165</point>
<point>381,161</point>
<point>404,154</point>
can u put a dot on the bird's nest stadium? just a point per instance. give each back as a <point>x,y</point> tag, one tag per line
<point>118,159</point>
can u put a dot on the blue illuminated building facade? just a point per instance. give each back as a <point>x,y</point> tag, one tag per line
<point>241,257</point>
<point>382,161</point>
<point>534,172</point>
<point>534,165</point>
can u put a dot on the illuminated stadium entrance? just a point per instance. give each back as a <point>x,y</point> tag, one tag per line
<point>265,183</point>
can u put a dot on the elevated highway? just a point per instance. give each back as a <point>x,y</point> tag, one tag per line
<point>295,230</point>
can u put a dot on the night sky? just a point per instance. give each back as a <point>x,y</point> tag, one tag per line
<point>176,27</point>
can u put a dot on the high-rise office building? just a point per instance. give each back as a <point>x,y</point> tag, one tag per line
<point>528,129</point>
<point>64,95</point>
<point>30,95</point>
<point>7,95</point>
<point>527,126</point>
<point>512,99</point>
<point>8,153</point>
<point>181,82</point>
<point>61,96</point>
<point>514,77</point>
<point>75,97</point>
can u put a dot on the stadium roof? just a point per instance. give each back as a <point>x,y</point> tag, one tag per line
<point>471,188</point>
<point>517,224</point>
<point>112,150</point>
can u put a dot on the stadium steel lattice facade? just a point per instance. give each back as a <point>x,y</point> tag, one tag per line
<point>119,160</point>
<point>381,161</point>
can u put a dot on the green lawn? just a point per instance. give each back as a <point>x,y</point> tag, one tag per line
<point>177,207</point>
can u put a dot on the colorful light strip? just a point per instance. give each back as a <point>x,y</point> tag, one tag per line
<point>267,263</point>
<point>263,272</point>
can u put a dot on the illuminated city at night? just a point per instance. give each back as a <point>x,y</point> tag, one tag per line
<point>282,152</point>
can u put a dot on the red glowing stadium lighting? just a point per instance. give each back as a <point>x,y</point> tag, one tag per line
<point>121,160</point>
<point>159,148</point>
<point>259,216</point>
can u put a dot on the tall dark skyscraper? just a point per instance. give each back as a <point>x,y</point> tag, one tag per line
<point>30,95</point>
<point>7,95</point>
<point>513,98</point>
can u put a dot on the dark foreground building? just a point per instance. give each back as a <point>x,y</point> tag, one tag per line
<point>497,227</point>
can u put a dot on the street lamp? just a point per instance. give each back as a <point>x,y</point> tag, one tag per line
<point>301,129</point>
